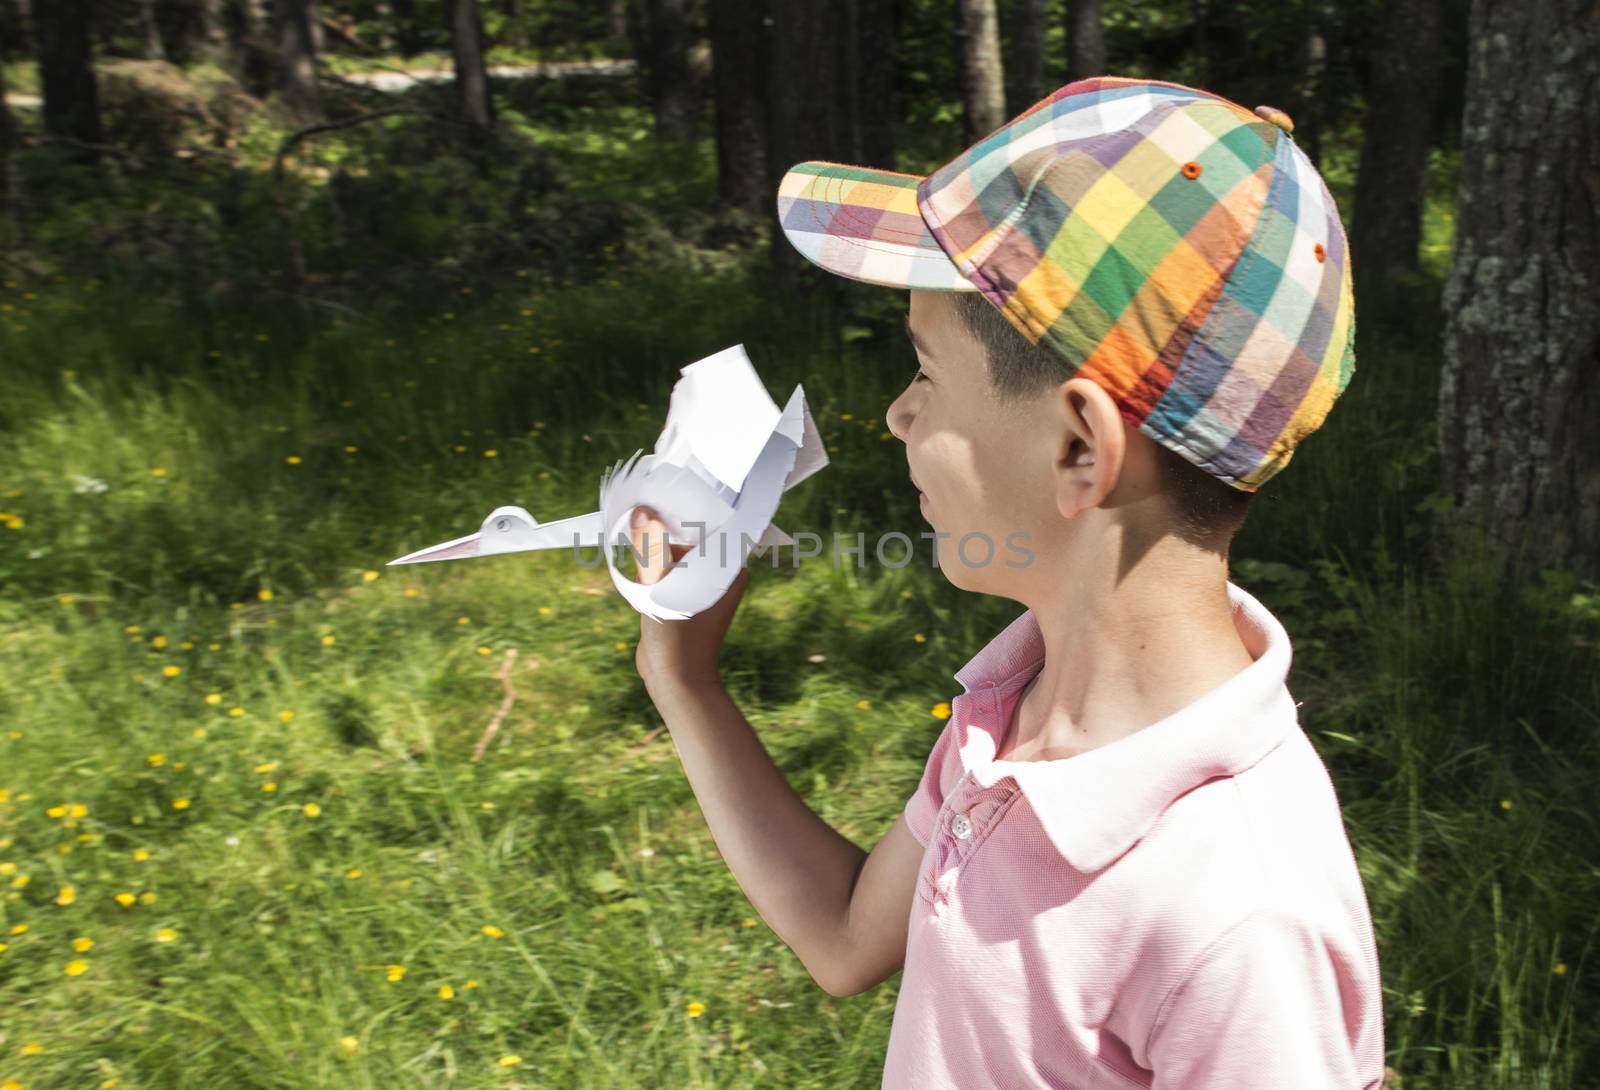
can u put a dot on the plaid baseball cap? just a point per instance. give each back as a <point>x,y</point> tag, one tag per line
<point>1173,246</point>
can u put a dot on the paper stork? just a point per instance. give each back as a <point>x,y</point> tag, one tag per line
<point>722,462</point>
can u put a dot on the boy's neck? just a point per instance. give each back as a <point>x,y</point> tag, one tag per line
<point>1120,656</point>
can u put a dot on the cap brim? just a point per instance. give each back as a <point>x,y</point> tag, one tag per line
<point>864,224</point>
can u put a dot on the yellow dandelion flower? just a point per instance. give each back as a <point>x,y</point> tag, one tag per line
<point>77,810</point>
<point>486,806</point>
<point>311,809</point>
<point>695,1009</point>
<point>293,459</point>
<point>350,449</point>
<point>65,599</point>
<point>198,732</point>
<point>19,929</point>
<point>140,855</point>
<point>213,698</point>
<point>133,630</point>
<point>492,931</point>
<point>269,787</point>
<point>353,872</point>
<point>20,880</point>
<point>329,640</point>
<point>484,651</point>
<point>66,896</point>
<point>32,1048</point>
<point>10,1084</point>
<point>186,646</point>
<point>940,710</point>
<point>1559,968</point>
<point>1505,804</point>
<point>77,966</point>
<point>148,897</point>
<point>235,712</point>
<point>57,811</point>
<point>82,944</point>
<point>920,638</point>
<point>446,992</point>
<point>7,869</point>
<point>264,594</point>
<point>270,766</point>
<point>166,934</point>
<point>156,760</point>
<point>369,576</point>
<point>349,1045</point>
<point>489,453</point>
<point>395,972</point>
<point>748,921</point>
<point>171,671</point>
<point>863,705</point>
<point>509,1061</point>
<point>544,611</point>
<point>180,804</point>
<point>109,1084</point>
<point>286,715</point>
<point>469,984</point>
<point>126,900</point>
<point>463,620</point>
<point>4,947</point>
<point>621,646</point>
<point>158,642</point>
<point>411,592</point>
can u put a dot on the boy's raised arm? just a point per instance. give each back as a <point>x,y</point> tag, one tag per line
<point>796,869</point>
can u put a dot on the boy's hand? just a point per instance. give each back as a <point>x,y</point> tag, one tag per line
<point>678,652</point>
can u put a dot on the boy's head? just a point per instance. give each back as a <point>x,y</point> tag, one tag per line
<point>1126,252</point>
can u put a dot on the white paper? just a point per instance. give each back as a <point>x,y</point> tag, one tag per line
<point>720,466</point>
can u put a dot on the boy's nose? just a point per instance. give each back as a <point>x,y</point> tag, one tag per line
<point>898,418</point>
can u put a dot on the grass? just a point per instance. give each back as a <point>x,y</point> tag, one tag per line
<point>227,623</point>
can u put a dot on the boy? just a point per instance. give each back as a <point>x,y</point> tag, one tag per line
<point>1125,864</point>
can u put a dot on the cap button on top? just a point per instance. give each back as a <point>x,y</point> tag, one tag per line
<point>1277,117</point>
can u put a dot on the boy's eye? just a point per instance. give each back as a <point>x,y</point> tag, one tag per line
<point>918,376</point>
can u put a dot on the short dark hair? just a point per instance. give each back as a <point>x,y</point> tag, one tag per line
<point>1207,511</point>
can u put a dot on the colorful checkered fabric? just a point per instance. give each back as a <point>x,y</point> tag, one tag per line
<point>1169,244</point>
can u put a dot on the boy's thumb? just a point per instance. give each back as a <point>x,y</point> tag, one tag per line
<point>641,517</point>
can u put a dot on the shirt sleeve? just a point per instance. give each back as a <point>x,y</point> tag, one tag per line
<point>923,807</point>
<point>1271,1003</point>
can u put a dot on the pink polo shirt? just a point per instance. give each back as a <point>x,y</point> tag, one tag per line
<point>1179,909</point>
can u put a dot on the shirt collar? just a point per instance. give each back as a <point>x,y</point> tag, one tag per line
<point>1096,805</point>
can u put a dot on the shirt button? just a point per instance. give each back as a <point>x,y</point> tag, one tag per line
<point>961,825</point>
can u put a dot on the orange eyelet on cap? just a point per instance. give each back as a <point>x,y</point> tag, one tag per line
<point>1191,170</point>
<point>1322,255</point>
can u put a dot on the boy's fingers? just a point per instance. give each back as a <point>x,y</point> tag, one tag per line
<point>650,545</point>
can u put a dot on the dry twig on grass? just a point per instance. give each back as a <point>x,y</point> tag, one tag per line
<point>505,705</point>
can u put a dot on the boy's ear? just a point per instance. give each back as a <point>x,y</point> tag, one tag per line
<point>1091,447</point>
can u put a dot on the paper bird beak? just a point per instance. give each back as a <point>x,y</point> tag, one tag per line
<point>449,550</point>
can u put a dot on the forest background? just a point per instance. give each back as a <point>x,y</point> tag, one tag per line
<point>290,288</point>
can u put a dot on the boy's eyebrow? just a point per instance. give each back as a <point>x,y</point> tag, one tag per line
<point>915,340</point>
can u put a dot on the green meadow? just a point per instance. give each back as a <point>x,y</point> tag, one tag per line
<point>274,814</point>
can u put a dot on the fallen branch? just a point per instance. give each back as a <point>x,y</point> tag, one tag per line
<point>505,705</point>
<point>294,138</point>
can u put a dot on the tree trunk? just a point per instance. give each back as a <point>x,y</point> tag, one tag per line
<point>876,69</point>
<point>150,32</point>
<point>297,62</point>
<point>1086,40</point>
<point>738,44</point>
<point>1387,218</point>
<point>66,74</point>
<point>513,27</point>
<point>1202,43</point>
<point>319,39</point>
<point>671,95</point>
<point>617,20</point>
<point>804,118</point>
<point>1025,66</point>
<point>213,41</point>
<point>10,177</point>
<point>1308,112</point>
<point>472,78</point>
<point>982,85</point>
<point>1520,394</point>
